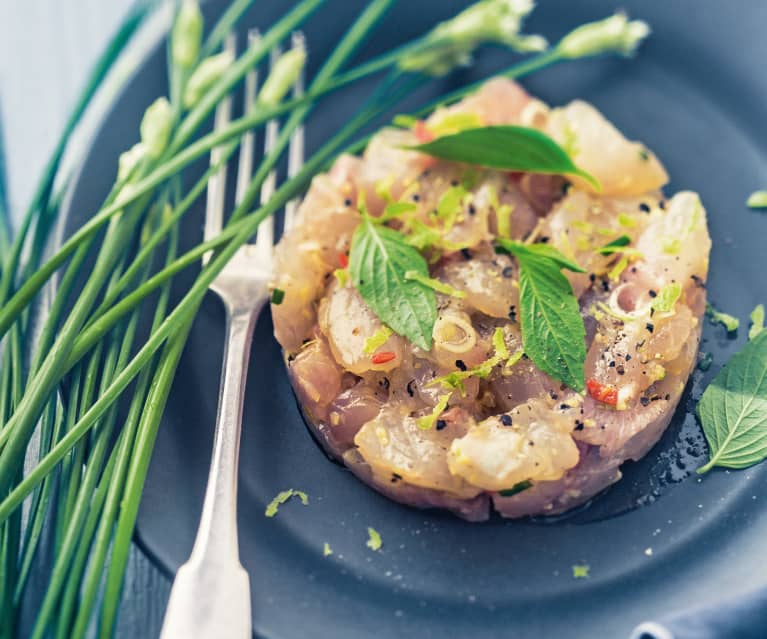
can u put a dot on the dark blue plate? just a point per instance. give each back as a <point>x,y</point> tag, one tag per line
<point>660,539</point>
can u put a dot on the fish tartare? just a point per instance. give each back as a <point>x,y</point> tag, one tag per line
<point>472,424</point>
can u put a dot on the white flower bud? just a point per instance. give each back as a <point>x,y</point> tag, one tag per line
<point>454,40</point>
<point>129,160</point>
<point>205,76</point>
<point>156,126</point>
<point>282,76</point>
<point>615,34</point>
<point>187,35</point>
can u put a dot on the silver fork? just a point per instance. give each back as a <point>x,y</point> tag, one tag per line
<point>210,597</point>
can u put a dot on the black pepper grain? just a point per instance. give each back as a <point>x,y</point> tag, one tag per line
<point>652,293</point>
<point>644,401</point>
<point>466,253</point>
<point>507,271</point>
<point>459,364</point>
<point>650,328</point>
<point>441,423</point>
<point>410,390</point>
<point>506,420</point>
<point>644,208</point>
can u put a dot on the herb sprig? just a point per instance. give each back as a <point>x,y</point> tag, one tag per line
<point>733,409</point>
<point>507,148</point>
<point>553,333</point>
<point>390,275</point>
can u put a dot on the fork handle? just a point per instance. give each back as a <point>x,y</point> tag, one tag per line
<point>210,597</point>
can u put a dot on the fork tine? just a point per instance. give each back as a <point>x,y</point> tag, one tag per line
<point>214,210</point>
<point>296,149</point>
<point>265,236</point>
<point>245,162</point>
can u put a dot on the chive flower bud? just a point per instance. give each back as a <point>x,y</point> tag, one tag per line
<point>155,127</point>
<point>454,40</point>
<point>205,76</point>
<point>282,76</point>
<point>129,160</point>
<point>187,35</point>
<point>615,34</point>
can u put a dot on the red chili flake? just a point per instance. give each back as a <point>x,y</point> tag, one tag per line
<point>343,259</point>
<point>422,132</point>
<point>605,393</point>
<point>382,358</point>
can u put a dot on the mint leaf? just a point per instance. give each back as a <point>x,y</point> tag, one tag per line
<point>733,409</point>
<point>509,148</point>
<point>553,334</point>
<point>379,259</point>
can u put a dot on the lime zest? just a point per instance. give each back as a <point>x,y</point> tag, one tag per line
<point>377,339</point>
<point>426,422</point>
<point>282,497</point>
<point>581,571</point>
<point>437,285</point>
<point>374,541</point>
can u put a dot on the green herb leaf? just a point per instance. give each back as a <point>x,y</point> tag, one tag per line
<point>509,148</point>
<point>725,319</point>
<point>757,321</point>
<point>553,334</point>
<point>615,246</point>
<point>757,200</point>
<point>733,409</point>
<point>516,488</point>
<point>379,259</point>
